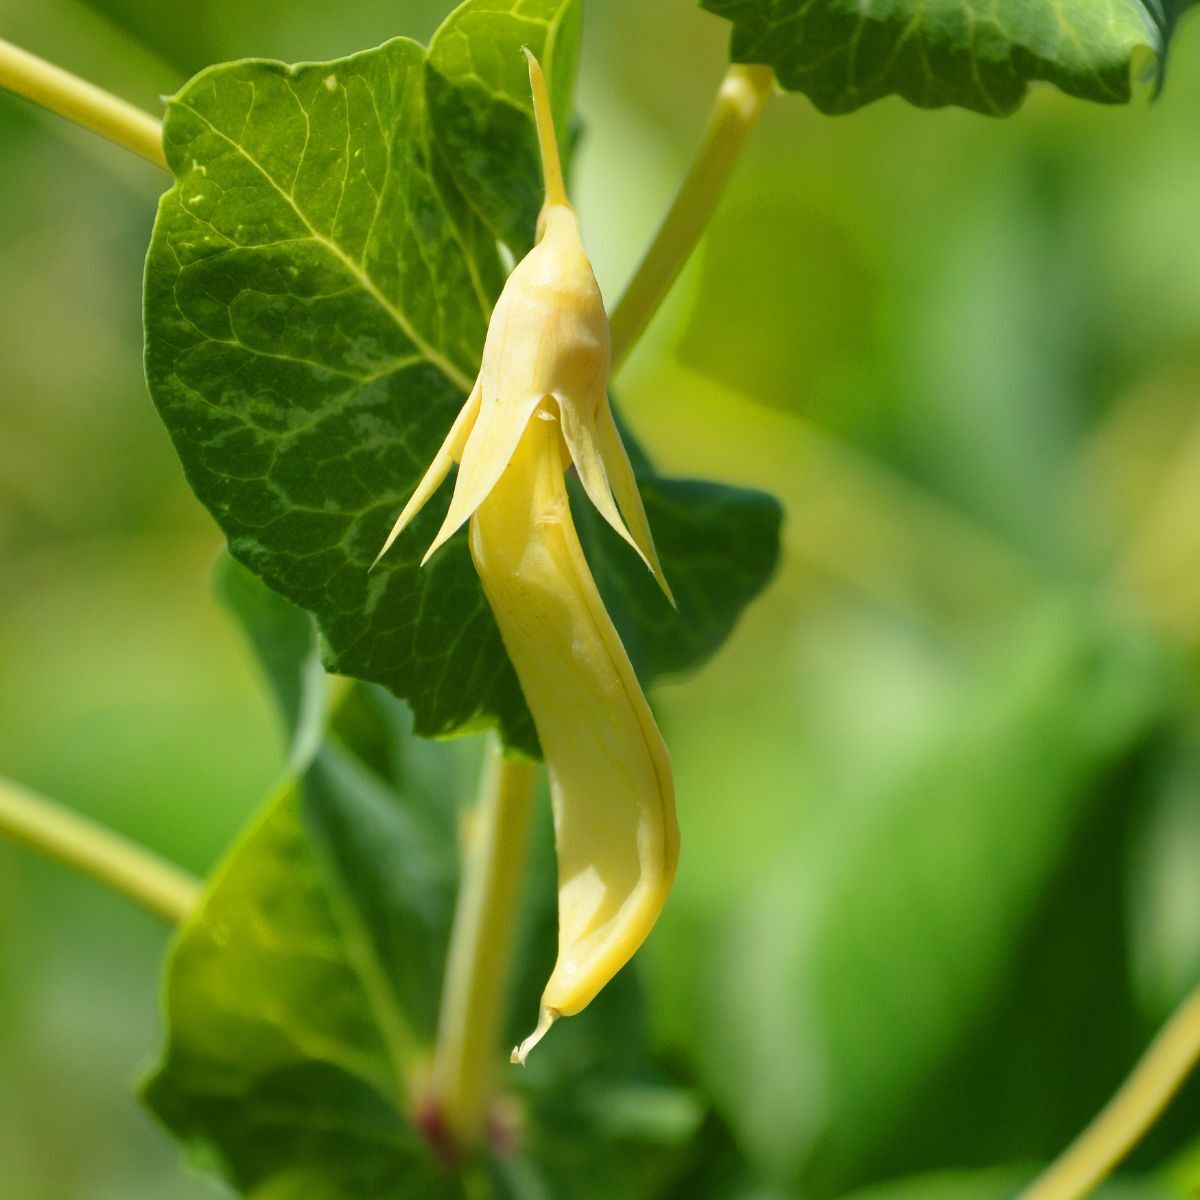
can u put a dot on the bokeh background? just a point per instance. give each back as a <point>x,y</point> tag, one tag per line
<point>941,873</point>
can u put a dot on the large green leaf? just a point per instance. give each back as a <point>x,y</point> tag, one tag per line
<point>845,53</point>
<point>318,287</point>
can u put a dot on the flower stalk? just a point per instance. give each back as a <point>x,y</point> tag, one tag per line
<point>741,99</point>
<point>495,849</point>
<point>123,866</point>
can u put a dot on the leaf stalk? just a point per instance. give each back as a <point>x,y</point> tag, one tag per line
<point>468,1039</point>
<point>741,99</point>
<point>1124,1120</point>
<point>82,102</point>
<point>158,886</point>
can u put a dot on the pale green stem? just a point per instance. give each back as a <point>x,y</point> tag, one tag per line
<point>81,102</point>
<point>468,1052</point>
<point>741,98</point>
<point>1089,1160</point>
<point>107,857</point>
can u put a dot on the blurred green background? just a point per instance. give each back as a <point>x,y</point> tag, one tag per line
<point>941,867</point>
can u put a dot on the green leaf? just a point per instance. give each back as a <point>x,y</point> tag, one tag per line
<point>283,638</point>
<point>318,287</point>
<point>477,90</point>
<point>843,54</point>
<point>302,997</point>
<point>300,993</point>
<point>315,301</point>
<point>378,730</point>
<point>303,993</point>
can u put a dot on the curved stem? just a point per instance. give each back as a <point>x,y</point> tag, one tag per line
<point>467,1050</point>
<point>107,857</point>
<point>741,98</point>
<point>1139,1102</point>
<point>81,102</point>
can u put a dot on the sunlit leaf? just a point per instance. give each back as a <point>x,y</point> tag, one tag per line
<point>301,992</point>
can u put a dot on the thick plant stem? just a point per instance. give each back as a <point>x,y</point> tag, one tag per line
<point>158,886</point>
<point>1088,1161</point>
<point>81,102</point>
<point>741,98</point>
<point>468,1051</point>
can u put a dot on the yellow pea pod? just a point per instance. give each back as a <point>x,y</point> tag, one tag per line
<point>615,831</point>
<point>539,403</point>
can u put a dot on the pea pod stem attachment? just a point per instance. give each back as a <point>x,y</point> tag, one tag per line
<point>742,96</point>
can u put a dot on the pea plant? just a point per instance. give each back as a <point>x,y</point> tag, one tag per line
<point>373,335</point>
